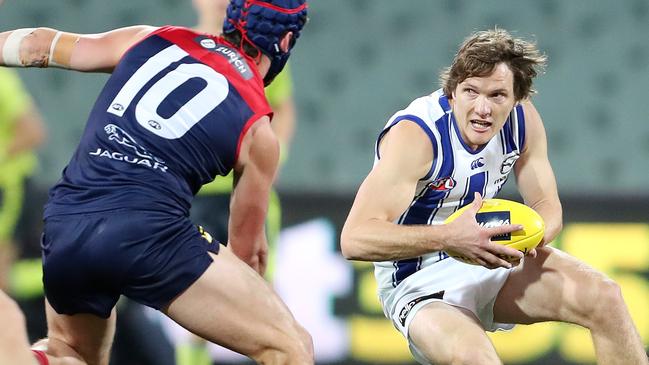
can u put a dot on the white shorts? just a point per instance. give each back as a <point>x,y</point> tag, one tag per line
<point>462,285</point>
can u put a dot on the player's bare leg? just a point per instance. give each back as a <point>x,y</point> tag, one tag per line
<point>14,348</point>
<point>555,286</point>
<point>88,335</point>
<point>7,256</point>
<point>61,355</point>
<point>451,335</point>
<point>231,305</point>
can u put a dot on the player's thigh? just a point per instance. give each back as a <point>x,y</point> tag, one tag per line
<point>445,334</point>
<point>553,286</point>
<point>231,305</point>
<point>86,334</point>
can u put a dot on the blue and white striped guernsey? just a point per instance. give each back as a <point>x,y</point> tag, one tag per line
<point>456,173</point>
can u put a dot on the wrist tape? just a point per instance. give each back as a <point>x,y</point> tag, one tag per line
<point>11,49</point>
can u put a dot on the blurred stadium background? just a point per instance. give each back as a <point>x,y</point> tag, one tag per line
<point>358,61</point>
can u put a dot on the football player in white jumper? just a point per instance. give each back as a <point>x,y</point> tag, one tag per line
<point>453,148</point>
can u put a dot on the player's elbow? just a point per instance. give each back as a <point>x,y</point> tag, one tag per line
<point>555,224</point>
<point>553,227</point>
<point>265,147</point>
<point>553,230</point>
<point>346,249</point>
<point>348,245</point>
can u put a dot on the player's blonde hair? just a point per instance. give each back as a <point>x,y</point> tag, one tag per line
<point>482,51</point>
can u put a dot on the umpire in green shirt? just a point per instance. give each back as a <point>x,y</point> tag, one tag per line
<point>21,132</point>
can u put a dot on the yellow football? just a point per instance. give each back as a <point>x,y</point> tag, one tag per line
<point>498,212</point>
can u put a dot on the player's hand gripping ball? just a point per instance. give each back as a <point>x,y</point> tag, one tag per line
<point>498,212</point>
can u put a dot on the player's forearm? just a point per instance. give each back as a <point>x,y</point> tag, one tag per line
<point>377,240</point>
<point>246,232</point>
<point>36,47</point>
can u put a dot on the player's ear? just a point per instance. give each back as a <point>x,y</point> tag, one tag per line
<point>285,42</point>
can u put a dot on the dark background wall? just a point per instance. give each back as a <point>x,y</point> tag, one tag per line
<point>359,61</point>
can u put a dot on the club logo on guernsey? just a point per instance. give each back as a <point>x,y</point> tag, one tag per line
<point>442,184</point>
<point>144,157</point>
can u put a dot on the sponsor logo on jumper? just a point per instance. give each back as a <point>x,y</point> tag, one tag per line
<point>477,163</point>
<point>508,163</point>
<point>142,156</point>
<point>442,184</point>
<point>408,307</point>
<point>495,219</point>
<point>120,136</point>
<point>235,59</point>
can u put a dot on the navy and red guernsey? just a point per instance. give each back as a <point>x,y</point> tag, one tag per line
<point>170,119</point>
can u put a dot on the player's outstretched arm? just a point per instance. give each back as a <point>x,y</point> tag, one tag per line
<point>253,178</point>
<point>369,233</point>
<point>534,176</point>
<point>47,47</point>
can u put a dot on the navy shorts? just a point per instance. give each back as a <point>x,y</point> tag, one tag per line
<point>89,260</point>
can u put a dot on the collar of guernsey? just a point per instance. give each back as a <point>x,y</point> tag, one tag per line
<point>14,102</point>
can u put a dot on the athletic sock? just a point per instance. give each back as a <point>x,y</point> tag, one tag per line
<point>41,357</point>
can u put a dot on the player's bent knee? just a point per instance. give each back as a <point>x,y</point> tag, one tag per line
<point>286,356</point>
<point>602,299</point>
<point>303,346</point>
<point>458,353</point>
<point>299,341</point>
<point>295,348</point>
<point>610,299</point>
<point>475,356</point>
<point>306,340</point>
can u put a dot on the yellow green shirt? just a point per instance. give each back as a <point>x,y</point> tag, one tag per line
<point>14,101</point>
